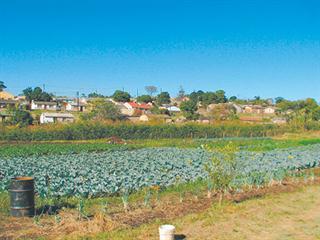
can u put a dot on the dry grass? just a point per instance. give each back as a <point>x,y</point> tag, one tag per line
<point>118,224</point>
<point>293,215</point>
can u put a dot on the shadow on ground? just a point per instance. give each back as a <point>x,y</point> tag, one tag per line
<point>180,237</point>
<point>53,209</point>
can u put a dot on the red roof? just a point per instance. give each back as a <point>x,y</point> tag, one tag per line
<point>139,105</point>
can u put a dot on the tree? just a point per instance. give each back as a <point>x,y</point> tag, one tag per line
<point>95,95</point>
<point>151,90</point>
<point>121,96</point>
<point>209,98</point>
<point>163,98</point>
<point>181,93</point>
<point>2,86</point>
<point>20,117</point>
<point>316,114</point>
<point>221,169</point>
<point>279,99</point>
<point>196,96</point>
<point>144,99</point>
<point>189,109</point>
<point>221,96</point>
<point>233,98</point>
<point>103,110</point>
<point>37,94</point>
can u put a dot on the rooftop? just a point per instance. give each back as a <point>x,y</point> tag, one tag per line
<point>58,115</point>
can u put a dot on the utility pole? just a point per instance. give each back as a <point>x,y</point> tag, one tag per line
<point>137,92</point>
<point>78,101</point>
<point>43,87</point>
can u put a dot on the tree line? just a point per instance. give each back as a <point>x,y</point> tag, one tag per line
<point>298,112</point>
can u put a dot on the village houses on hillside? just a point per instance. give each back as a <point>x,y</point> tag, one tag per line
<point>64,107</point>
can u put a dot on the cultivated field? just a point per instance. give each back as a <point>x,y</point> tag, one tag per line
<point>89,188</point>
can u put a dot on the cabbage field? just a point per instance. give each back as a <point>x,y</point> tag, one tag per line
<point>112,172</point>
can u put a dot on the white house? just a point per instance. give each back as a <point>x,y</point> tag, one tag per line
<point>56,117</point>
<point>78,107</point>
<point>269,110</point>
<point>37,105</point>
<point>173,109</point>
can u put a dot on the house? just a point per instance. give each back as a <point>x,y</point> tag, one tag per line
<point>133,108</point>
<point>170,108</point>
<point>6,96</point>
<point>76,107</point>
<point>173,109</point>
<point>37,105</point>
<point>269,110</point>
<point>138,106</point>
<point>7,103</point>
<point>56,118</point>
<point>124,109</point>
<point>257,109</point>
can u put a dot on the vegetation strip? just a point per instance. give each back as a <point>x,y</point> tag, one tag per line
<point>122,172</point>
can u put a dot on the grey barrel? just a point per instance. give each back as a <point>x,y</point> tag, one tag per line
<point>22,197</point>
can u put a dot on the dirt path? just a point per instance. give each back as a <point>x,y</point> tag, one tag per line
<point>294,215</point>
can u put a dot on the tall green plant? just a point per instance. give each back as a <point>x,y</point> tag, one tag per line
<point>221,169</point>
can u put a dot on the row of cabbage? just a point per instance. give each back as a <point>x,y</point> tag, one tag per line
<point>111,172</point>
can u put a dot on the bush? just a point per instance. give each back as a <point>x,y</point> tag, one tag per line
<point>97,130</point>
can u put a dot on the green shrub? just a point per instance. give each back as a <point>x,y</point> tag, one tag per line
<point>98,130</point>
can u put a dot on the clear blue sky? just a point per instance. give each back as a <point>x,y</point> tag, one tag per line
<point>247,47</point>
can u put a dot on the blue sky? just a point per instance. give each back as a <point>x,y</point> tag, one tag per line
<point>247,47</point>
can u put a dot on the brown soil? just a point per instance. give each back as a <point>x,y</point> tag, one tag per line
<point>68,223</point>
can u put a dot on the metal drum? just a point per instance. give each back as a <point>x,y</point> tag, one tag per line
<point>22,197</point>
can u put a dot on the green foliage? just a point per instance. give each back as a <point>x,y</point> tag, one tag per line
<point>103,110</point>
<point>245,144</point>
<point>2,86</point>
<point>163,98</point>
<point>121,96</point>
<point>116,172</point>
<point>233,98</point>
<point>97,130</point>
<point>37,94</point>
<point>95,95</point>
<point>189,109</point>
<point>207,98</point>
<point>39,149</point>
<point>19,117</point>
<point>144,99</point>
<point>279,100</point>
<point>222,167</point>
<point>157,110</point>
<point>196,96</point>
